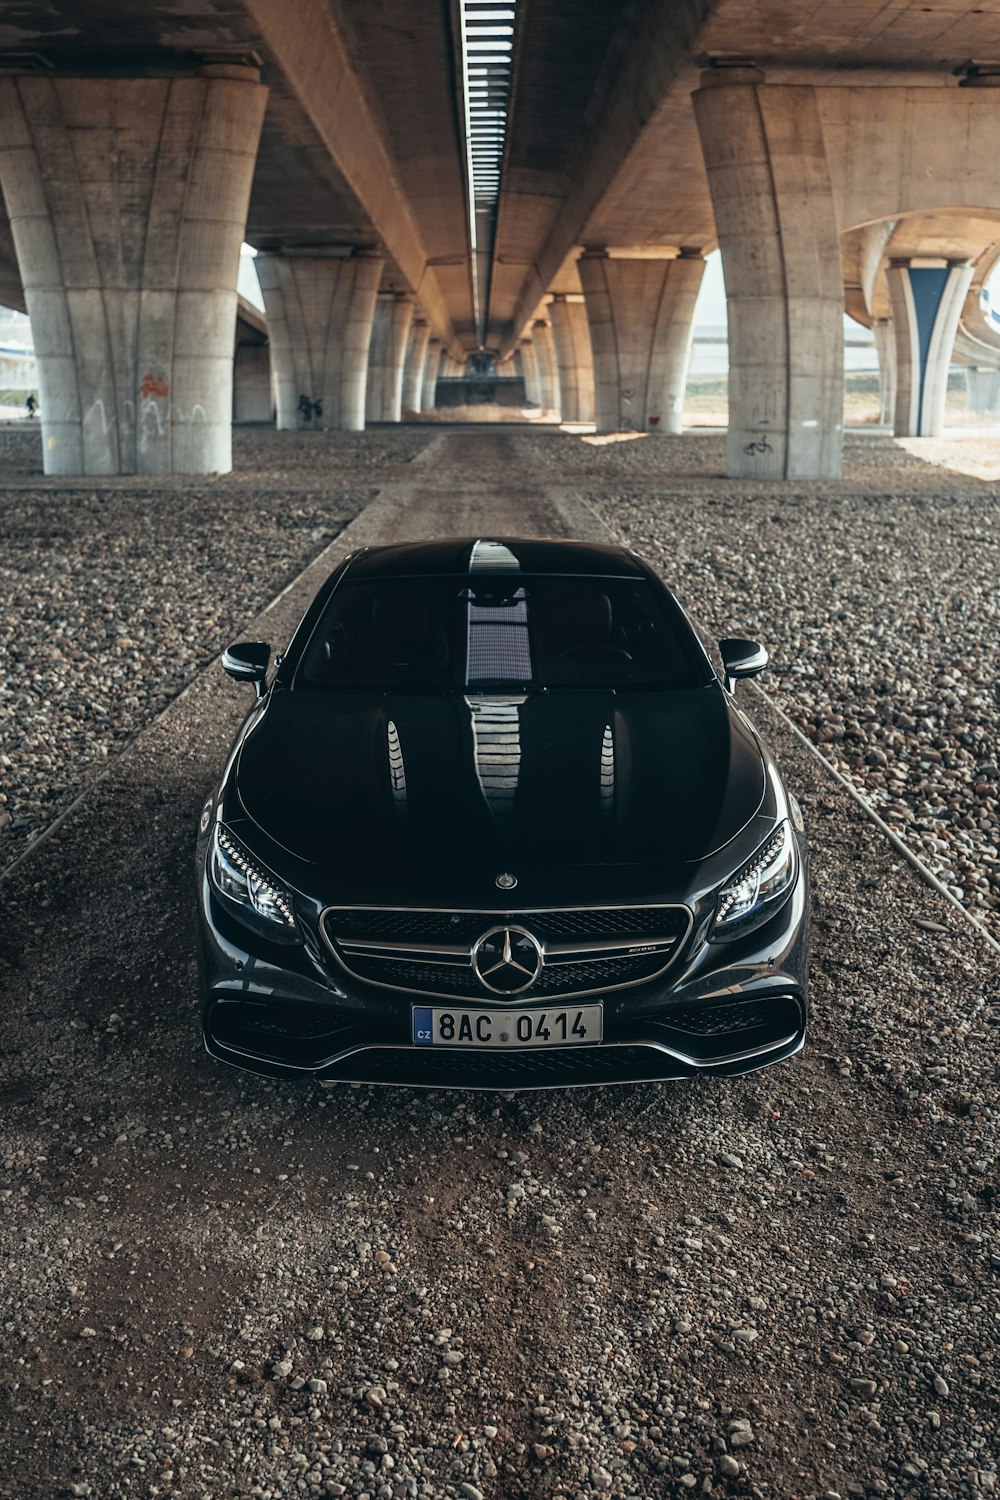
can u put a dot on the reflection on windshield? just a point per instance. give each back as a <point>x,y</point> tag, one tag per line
<point>500,630</point>
<point>498,649</point>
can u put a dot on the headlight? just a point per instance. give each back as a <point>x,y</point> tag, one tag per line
<point>750,897</point>
<point>259,900</point>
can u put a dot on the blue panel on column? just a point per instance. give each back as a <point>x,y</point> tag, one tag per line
<point>927,284</point>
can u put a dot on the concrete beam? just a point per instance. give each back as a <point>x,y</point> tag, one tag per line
<point>319,313</point>
<point>641,317</point>
<point>774,210</point>
<point>127,200</point>
<point>303,38</point>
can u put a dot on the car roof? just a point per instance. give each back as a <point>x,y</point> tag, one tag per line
<point>509,555</point>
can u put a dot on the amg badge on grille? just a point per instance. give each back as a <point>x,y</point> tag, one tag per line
<point>506,882</point>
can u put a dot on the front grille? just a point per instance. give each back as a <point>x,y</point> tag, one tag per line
<point>374,924</point>
<point>499,1070</point>
<point>586,949</point>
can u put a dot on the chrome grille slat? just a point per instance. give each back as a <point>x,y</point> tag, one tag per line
<point>429,952</point>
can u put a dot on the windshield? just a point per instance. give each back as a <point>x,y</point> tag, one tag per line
<point>491,632</point>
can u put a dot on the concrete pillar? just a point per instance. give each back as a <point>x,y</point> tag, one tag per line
<point>641,314</point>
<point>386,357</point>
<point>548,365</point>
<point>926,304</point>
<point>252,385</point>
<point>529,367</point>
<point>416,359</point>
<point>571,336</point>
<point>983,387</point>
<point>128,201</point>
<point>319,318</point>
<point>774,212</point>
<point>885,348</point>
<point>432,367</point>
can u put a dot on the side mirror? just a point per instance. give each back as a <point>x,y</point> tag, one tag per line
<point>741,659</point>
<point>247,661</point>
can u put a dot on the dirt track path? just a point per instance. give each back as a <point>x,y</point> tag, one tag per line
<point>214,1285</point>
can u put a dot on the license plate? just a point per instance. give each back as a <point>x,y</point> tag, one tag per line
<point>562,1026</point>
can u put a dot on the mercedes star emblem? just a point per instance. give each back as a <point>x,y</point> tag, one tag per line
<point>506,882</point>
<point>507,960</point>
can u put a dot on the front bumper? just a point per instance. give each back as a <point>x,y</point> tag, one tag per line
<point>725,1008</point>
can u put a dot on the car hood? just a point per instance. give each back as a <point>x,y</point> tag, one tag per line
<point>509,782</point>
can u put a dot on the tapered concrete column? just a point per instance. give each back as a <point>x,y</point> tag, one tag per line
<point>319,318</point>
<point>571,335</point>
<point>548,365</point>
<point>529,367</point>
<point>252,385</point>
<point>432,367</point>
<point>774,212</point>
<point>885,348</point>
<point>416,359</point>
<point>926,305</point>
<point>128,200</point>
<point>983,387</point>
<point>386,357</point>
<point>641,314</point>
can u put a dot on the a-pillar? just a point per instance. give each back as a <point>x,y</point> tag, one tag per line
<point>774,212</point>
<point>529,368</point>
<point>319,318</point>
<point>641,314</point>
<point>390,331</point>
<point>128,201</point>
<point>548,366</point>
<point>571,336</point>
<point>416,360</point>
<point>432,368</point>
<point>885,348</point>
<point>926,304</point>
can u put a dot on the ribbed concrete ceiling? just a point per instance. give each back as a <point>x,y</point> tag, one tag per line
<point>586,137</point>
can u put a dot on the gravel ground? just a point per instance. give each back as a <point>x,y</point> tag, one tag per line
<point>114,595</point>
<point>878,599</point>
<point>217,1285</point>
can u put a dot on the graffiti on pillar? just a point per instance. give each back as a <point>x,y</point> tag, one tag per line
<point>308,410</point>
<point>97,415</point>
<point>150,421</point>
<point>654,421</point>
<point>153,385</point>
<point>760,446</point>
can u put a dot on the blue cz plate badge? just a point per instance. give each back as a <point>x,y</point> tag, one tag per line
<point>560,1026</point>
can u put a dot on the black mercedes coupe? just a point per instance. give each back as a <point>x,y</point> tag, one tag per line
<point>495,821</point>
